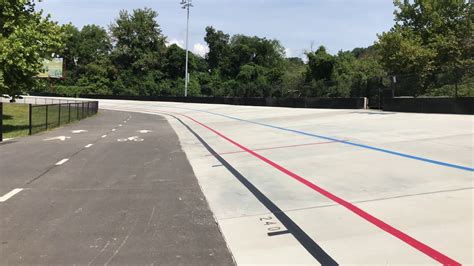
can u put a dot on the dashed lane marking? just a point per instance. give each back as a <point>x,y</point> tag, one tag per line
<point>62,161</point>
<point>10,194</point>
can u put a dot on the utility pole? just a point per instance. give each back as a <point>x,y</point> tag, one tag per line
<point>186,4</point>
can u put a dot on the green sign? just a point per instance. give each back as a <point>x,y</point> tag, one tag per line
<point>52,69</point>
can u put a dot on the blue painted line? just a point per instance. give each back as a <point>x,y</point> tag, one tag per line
<point>427,160</point>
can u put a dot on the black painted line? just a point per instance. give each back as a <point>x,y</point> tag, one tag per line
<point>307,242</point>
<point>278,233</point>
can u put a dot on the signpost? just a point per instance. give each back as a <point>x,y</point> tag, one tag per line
<point>52,69</point>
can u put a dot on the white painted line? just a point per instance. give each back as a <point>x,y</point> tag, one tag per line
<point>88,145</point>
<point>120,125</point>
<point>113,129</point>
<point>62,161</point>
<point>61,138</point>
<point>78,131</point>
<point>10,194</point>
<point>104,136</point>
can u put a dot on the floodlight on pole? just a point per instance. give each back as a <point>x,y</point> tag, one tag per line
<point>186,4</point>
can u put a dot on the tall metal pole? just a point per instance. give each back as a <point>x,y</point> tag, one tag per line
<point>186,77</point>
<point>186,4</point>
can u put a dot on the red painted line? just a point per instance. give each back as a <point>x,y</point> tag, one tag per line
<point>277,147</point>
<point>436,255</point>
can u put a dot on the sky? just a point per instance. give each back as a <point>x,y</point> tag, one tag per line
<point>300,25</point>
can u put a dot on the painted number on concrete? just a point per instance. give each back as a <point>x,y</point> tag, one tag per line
<point>270,223</point>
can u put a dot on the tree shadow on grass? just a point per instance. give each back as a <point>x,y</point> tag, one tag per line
<point>12,128</point>
<point>7,117</point>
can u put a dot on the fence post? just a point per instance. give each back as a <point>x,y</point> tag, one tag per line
<point>69,112</point>
<point>1,121</point>
<point>59,113</point>
<point>46,117</point>
<point>30,119</point>
<point>77,111</point>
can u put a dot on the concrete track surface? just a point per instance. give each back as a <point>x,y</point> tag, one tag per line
<point>309,186</point>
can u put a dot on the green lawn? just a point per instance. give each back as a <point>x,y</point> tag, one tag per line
<point>15,120</point>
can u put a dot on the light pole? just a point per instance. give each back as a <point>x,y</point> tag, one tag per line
<point>186,4</point>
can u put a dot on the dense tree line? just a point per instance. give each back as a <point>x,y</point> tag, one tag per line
<point>429,51</point>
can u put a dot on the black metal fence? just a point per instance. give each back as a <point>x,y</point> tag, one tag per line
<point>445,105</point>
<point>18,119</point>
<point>44,117</point>
<point>1,121</point>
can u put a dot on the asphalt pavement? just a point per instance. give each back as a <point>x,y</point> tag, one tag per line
<point>115,188</point>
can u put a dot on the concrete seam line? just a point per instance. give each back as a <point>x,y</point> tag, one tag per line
<point>427,250</point>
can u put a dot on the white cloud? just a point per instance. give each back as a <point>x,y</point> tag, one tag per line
<point>180,43</point>
<point>200,49</point>
<point>288,52</point>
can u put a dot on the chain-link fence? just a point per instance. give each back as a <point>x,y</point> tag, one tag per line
<point>44,117</point>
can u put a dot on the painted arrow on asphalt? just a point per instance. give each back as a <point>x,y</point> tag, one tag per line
<point>61,138</point>
<point>78,131</point>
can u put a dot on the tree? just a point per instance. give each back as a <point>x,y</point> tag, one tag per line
<point>139,42</point>
<point>403,54</point>
<point>218,43</point>
<point>27,38</point>
<point>93,43</point>
<point>430,36</point>
<point>71,48</point>
<point>138,52</point>
<point>293,79</point>
<point>175,62</point>
<point>320,64</point>
<point>248,66</point>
